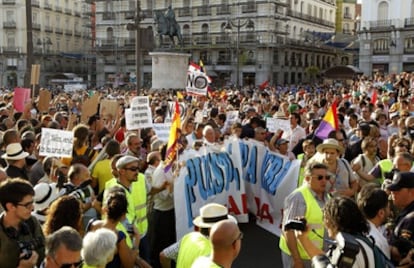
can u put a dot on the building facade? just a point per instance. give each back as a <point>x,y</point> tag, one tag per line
<point>60,40</point>
<point>387,36</point>
<point>242,42</point>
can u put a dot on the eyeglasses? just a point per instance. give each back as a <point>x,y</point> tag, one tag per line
<point>27,205</point>
<point>69,265</point>
<point>239,237</point>
<point>321,177</point>
<point>133,169</point>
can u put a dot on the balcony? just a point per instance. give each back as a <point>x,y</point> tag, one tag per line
<point>247,38</point>
<point>380,24</point>
<point>249,8</point>
<point>147,61</point>
<point>309,18</point>
<point>184,12</point>
<point>130,15</point>
<point>35,3</point>
<point>11,49</point>
<point>409,22</point>
<point>345,31</point>
<point>187,39</point>
<point>130,42</point>
<point>9,25</point>
<point>147,14</point>
<point>78,33</point>
<point>58,30</point>
<point>47,6</point>
<point>9,2</point>
<point>77,14</point>
<point>68,11</point>
<point>108,16</point>
<point>409,50</point>
<point>347,16</point>
<point>203,39</point>
<point>48,29</point>
<point>58,9</point>
<point>36,26</point>
<point>68,32</point>
<point>223,10</point>
<point>204,11</point>
<point>381,51</point>
<point>223,39</point>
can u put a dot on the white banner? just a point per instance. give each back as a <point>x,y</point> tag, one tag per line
<point>274,124</point>
<point>170,111</point>
<point>197,83</point>
<point>244,177</point>
<point>139,115</point>
<point>162,130</point>
<point>56,142</point>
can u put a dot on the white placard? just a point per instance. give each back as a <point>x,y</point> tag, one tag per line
<point>139,115</point>
<point>56,142</point>
<point>232,117</point>
<point>274,124</point>
<point>162,131</point>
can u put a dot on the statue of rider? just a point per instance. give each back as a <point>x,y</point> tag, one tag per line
<point>170,16</point>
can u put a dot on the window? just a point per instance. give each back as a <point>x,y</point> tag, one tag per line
<point>383,11</point>
<point>110,34</point>
<point>10,16</point>
<point>11,40</point>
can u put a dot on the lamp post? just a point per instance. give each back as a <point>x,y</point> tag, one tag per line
<point>136,27</point>
<point>238,24</point>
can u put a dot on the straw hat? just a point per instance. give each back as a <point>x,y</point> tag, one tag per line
<point>45,194</point>
<point>330,144</point>
<point>212,213</point>
<point>14,151</point>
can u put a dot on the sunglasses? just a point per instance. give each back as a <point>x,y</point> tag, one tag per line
<point>239,237</point>
<point>133,169</point>
<point>321,177</point>
<point>69,265</point>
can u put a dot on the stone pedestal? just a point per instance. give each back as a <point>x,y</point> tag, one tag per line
<point>169,70</point>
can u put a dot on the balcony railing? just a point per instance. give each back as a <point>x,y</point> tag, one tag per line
<point>78,33</point>
<point>58,30</point>
<point>68,32</point>
<point>48,29</point>
<point>35,3</point>
<point>129,15</point>
<point>108,16</point>
<point>409,22</point>
<point>383,51</point>
<point>68,11</point>
<point>204,11</point>
<point>9,2</point>
<point>249,8</point>
<point>347,16</point>
<point>9,24</point>
<point>223,39</point>
<point>77,13</point>
<point>223,10</point>
<point>47,6</point>
<point>36,26</point>
<point>58,9</point>
<point>11,49</point>
<point>203,39</point>
<point>380,24</point>
<point>309,18</point>
<point>184,12</point>
<point>409,50</point>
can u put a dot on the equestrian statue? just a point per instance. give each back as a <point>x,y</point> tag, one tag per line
<point>167,25</point>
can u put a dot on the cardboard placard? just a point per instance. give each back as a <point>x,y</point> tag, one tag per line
<point>108,107</point>
<point>44,100</point>
<point>89,107</point>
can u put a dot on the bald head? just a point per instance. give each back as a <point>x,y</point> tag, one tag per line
<point>224,234</point>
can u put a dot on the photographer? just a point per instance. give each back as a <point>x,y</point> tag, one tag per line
<point>79,186</point>
<point>21,237</point>
<point>305,202</point>
<point>344,220</point>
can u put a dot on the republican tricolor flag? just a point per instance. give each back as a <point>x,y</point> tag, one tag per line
<point>172,146</point>
<point>328,123</point>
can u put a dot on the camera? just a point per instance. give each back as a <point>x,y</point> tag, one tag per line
<point>341,254</point>
<point>81,192</point>
<point>298,224</point>
<point>26,247</point>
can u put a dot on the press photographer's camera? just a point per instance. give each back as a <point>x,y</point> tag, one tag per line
<point>297,224</point>
<point>26,247</point>
<point>341,254</point>
<point>82,192</point>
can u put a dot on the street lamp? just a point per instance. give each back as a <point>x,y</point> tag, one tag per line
<point>228,28</point>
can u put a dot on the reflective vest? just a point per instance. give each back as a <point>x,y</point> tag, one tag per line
<point>137,202</point>
<point>301,171</point>
<point>314,218</point>
<point>192,246</point>
<point>385,166</point>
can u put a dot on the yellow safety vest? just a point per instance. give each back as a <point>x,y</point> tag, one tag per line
<point>137,202</point>
<point>301,171</point>
<point>192,246</point>
<point>314,218</point>
<point>385,166</point>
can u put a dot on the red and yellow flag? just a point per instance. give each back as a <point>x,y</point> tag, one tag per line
<point>172,146</point>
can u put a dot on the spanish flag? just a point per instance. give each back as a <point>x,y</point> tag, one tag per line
<point>328,123</point>
<point>172,146</point>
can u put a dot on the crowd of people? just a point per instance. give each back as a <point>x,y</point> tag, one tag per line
<point>112,203</point>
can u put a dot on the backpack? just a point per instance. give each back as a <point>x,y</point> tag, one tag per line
<point>84,159</point>
<point>380,259</point>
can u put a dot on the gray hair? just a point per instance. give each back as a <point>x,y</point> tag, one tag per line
<point>66,236</point>
<point>98,246</point>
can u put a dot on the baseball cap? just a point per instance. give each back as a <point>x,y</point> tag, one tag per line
<point>402,180</point>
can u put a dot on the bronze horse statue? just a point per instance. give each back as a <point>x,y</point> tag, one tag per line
<point>167,26</point>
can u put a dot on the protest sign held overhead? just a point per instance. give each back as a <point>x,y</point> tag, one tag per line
<point>56,142</point>
<point>20,98</point>
<point>139,115</point>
